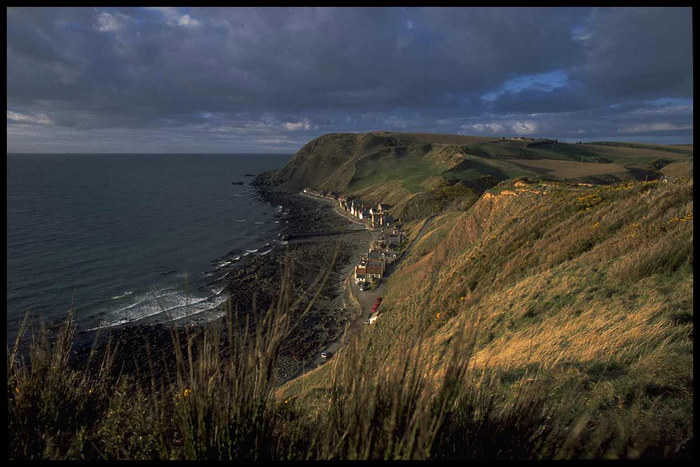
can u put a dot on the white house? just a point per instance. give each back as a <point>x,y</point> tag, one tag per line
<point>360,273</point>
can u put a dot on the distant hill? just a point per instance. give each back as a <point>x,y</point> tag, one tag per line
<point>424,173</point>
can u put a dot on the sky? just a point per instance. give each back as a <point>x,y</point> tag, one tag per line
<point>242,80</point>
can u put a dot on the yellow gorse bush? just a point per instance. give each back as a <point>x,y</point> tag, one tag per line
<point>686,218</point>
<point>586,202</point>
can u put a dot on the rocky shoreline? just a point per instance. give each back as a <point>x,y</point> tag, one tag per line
<point>258,279</point>
<point>254,282</point>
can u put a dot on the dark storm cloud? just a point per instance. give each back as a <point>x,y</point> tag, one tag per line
<point>246,79</point>
<point>641,52</point>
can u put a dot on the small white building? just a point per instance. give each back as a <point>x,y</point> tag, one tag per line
<point>361,274</point>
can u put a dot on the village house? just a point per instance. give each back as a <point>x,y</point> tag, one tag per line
<point>374,255</point>
<point>359,211</point>
<point>377,218</point>
<point>360,274</point>
<point>380,216</point>
<point>369,268</point>
<point>374,269</point>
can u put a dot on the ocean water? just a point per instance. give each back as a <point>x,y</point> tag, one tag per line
<point>130,238</point>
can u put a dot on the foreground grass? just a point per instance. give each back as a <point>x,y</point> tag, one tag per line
<point>225,408</point>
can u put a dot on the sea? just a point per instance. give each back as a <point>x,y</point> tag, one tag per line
<point>129,239</point>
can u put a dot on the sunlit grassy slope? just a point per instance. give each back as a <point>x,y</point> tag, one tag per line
<point>585,291</point>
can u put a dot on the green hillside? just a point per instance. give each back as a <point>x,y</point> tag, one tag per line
<point>394,167</point>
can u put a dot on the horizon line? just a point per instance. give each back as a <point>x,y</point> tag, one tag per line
<point>146,153</point>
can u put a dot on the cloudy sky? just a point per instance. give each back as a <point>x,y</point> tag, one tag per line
<point>271,79</point>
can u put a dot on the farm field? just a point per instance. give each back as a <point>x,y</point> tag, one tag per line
<point>569,169</point>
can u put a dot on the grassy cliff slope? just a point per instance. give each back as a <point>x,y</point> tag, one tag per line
<point>584,293</point>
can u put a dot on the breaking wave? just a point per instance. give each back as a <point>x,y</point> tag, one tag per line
<point>161,306</point>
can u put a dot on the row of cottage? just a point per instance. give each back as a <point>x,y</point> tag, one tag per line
<point>376,216</point>
<point>383,250</point>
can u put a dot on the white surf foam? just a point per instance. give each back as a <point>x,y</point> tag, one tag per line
<point>151,304</point>
<point>198,310</point>
<point>266,252</point>
<point>124,294</point>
